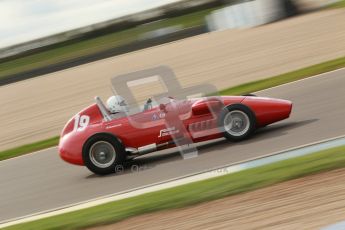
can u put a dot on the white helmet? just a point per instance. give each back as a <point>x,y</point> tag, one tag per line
<point>117,104</point>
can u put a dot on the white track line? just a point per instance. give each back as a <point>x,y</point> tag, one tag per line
<point>211,173</point>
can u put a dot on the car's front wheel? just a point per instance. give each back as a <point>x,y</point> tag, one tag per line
<point>237,122</point>
<point>103,154</point>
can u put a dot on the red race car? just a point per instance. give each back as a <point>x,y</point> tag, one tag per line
<point>104,137</point>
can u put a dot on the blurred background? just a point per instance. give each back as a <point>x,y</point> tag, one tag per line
<point>37,34</point>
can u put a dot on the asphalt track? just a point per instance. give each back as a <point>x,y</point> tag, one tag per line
<point>42,181</point>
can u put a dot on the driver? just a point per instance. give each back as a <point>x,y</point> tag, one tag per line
<point>117,104</point>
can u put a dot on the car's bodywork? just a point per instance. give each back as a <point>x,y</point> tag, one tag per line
<point>147,131</point>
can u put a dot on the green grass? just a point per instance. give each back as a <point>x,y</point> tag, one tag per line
<point>196,192</point>
<point>10,153</point>
<point>339,4</point>
<point>285,78</point>
<point>91,46</point>
<point>237,90</point>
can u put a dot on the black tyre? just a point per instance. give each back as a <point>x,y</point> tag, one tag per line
<point>237,122</point>
<point>103,154</point>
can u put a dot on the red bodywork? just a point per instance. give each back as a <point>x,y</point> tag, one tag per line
<point>148,127</point>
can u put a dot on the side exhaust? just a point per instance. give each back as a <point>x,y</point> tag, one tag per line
<point>133,152</point>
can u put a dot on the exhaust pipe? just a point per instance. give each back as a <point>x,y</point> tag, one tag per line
<point>133,152</point>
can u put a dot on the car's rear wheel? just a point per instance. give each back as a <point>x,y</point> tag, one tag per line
<point>237,122</point>
<point>103,154</point>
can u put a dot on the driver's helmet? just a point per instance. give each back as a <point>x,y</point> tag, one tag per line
<point>117,104</point>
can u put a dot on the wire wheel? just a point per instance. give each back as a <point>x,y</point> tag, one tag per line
<point>236,123</point>
<point>102,154</point>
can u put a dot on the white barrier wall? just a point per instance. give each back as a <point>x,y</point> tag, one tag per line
<point>255,13</point>
<point>244,15</point>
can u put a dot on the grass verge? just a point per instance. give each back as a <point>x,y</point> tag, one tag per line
<point>237,90</point>
<point>10,153</point>
<point>196,192</point>
<point>338,4</point>
<point>285,78</point>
